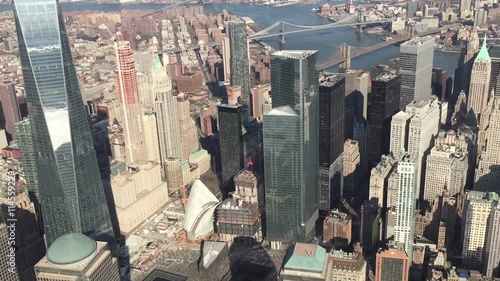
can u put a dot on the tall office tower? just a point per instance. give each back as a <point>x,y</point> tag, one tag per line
<point>28,163</point>
<point>128,94</point>
<point>411,8</point>
<point>384,103</point>
<point>351,167</point>
<point>379,180</point>
<point>406,201</point>
<point>10,109</point>
<point>360,134</point>
<point>151,137</point>
<point>231,142</point>
<point>416,58</point>
<point>479,83</point>
<point>144,83</point>
<point>439,84</point>
<point>468,51</point>
<point>165,106</point>
<point>465,5</point>
<point>239,57</point>
<point>92,260</point>
<point>494,53</point>
<point>424,126</point>
<point>476,226</point>
<point>25,231</point>
<point>492,251</point>
<point>189,133</point>
<point>392,264</point>
<point>226,54</point>
<point>69,183</point>
<point>488,172</point>
<point>357,83</point>
<point>331,138</point>
<point>447,166</point>
<point>291,148</point>
<point>400,125</point>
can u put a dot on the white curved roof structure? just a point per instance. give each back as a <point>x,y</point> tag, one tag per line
<point>200,211</point>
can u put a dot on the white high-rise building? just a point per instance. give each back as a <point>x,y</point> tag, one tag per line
<point>447,166</point>
<point>405,207</point>
<point>400,124</point>
<point>379,179</point>
<point>151,137</point>
<point>477,213</point>
<point>424,126</point>
<point>165,106</point>
<point>488,172</point>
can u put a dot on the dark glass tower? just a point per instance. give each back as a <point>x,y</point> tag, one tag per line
<point>291,148</point>
<point>240,69</point>
<point>69,183</point>
<point>495,69</point>
<point>331,135</point>
<point>231,143</point>
<point>384,103</point>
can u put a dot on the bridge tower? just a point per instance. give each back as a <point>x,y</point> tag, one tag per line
<point>345,52</point>
<point>282,36</point>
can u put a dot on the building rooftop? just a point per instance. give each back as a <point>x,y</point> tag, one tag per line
<point>338,217</point>
<point>282,111</point>
<point>295,54</point>
<point>307,257</point>
<point>418,41</point>
<point>329,79</point>
<point>385,76</point>
<point>198,153</point>
<point>71,248</point>
<point>483,55</point>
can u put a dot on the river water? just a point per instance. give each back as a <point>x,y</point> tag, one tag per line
<point>326,41</point>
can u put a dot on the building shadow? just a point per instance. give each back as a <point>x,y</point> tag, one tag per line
<point>252,263</point>
<point>29,241</point>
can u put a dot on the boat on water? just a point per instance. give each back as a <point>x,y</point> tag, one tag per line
<point>314,9</point>
<point>387,38</point>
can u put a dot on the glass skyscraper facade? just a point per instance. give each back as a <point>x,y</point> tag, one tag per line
<point>69,183</point>
<point>291,147</point>
<point>240,68</point>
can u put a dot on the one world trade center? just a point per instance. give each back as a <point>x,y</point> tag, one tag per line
<point>69,184</point>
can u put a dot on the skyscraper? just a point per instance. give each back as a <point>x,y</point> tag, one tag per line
<point>231,142</point>
<point>25,144</point>
<point>488,169</point>
<point>69,183</point>
<point>446,167</point>
<point>291,148</point>
<point>477,212</point>
<point>189,132</point>
<point>128,95</point>
<point>415,67</point>
<point>331,137</point>
<point>424,126</point>
<point>384,103</point>
<point>494,53</point>
<point>468,51</point>
<point>479,83</point>
<point>406,202</point>
<point>151,137</point>
<point>165,106</point>
<point>492,251</point>
<point>10,109</point>
<point>400,125</point>
<point>351,167</point>
<point>392,264</point>
<point>239,59</point>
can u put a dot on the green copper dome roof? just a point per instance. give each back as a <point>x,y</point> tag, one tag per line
<point>71,248</point>
<point>483,55</point>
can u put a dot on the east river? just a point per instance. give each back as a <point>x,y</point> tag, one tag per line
<point>326,41</point>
